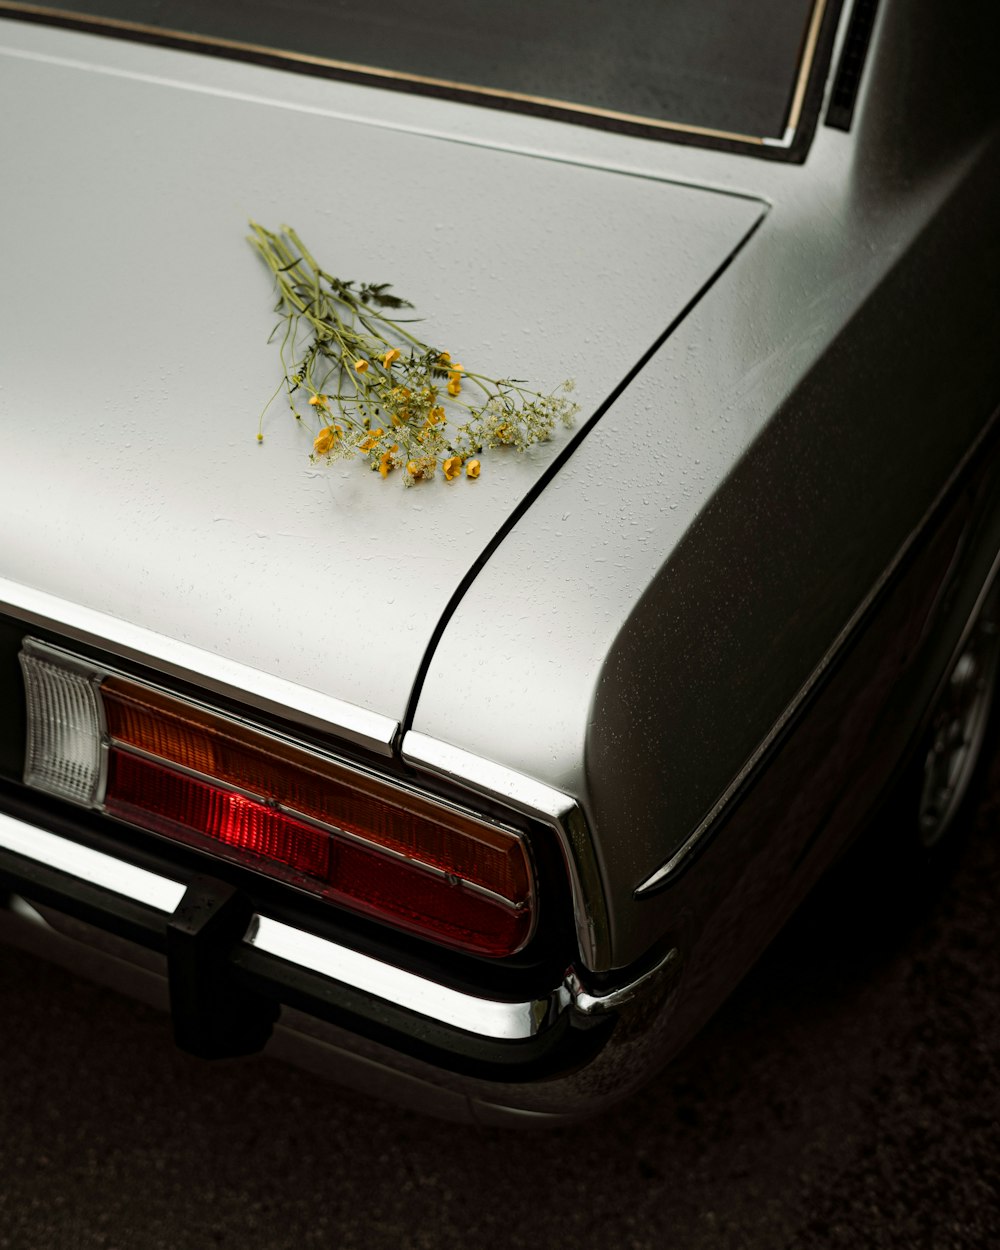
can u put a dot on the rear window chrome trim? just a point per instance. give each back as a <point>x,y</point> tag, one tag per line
<point>461,91</point>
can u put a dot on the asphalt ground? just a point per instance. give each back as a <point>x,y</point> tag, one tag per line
<point>846,1096</point>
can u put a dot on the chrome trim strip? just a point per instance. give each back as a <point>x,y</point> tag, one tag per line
<point>658,977</point>
<point>805,67</point>
<point>532,798</point>
<point>211,672</point>
<point>20,907</point>
<point>482,1016</point>
<point>680,856</point>
<point>89,865</point>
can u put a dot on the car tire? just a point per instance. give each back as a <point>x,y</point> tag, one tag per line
<point>944,781</point>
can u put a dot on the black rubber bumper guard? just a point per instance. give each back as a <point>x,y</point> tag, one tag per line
<point>214,1016</point>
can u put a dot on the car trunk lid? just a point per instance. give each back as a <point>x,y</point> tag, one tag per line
<point>135,359</point>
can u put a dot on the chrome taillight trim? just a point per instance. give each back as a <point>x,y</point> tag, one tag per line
<point>34,650</point>
<point>560,811</point>
<point>213,673</point>
<point>95,672</point>
<point>484,1017</point>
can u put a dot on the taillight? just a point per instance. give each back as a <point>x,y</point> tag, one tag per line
<point>178,769</point>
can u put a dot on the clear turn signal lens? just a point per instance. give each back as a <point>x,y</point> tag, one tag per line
<point>63,751</point>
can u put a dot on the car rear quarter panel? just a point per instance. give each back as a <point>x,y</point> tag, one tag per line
<point>714,543</point>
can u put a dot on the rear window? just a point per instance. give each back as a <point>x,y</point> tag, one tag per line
<point>702,70</point>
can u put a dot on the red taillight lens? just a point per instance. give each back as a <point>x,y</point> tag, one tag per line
<point>194,775</point>
<point>319,789</point>
<point>159,798</point>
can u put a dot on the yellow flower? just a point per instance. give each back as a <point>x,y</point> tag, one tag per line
<point>360,366</point>
<point>444,358</point>
<point>371,440</point>
<point>422,468</point>
<point>472,468</point>
<point>435,416</point>
<point>317,401</point>
<point>384,464</point>
<point>454,379</point>
<point>452,468</point>
<point>391,355</point>
<point>260,438</point>
<point>326,438</point>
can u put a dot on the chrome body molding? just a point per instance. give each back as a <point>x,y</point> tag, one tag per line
<point>482,1016</point>
<point>660,975</point>
<point>533,798</point>
<point>89,865</point>
<point>205,669</point>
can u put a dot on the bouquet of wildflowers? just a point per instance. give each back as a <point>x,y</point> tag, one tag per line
<point>368,387</point>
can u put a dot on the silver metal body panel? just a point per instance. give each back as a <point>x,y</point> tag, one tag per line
<point>130,402</point>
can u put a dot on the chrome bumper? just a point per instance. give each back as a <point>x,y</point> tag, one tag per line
<point>339,967</point>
